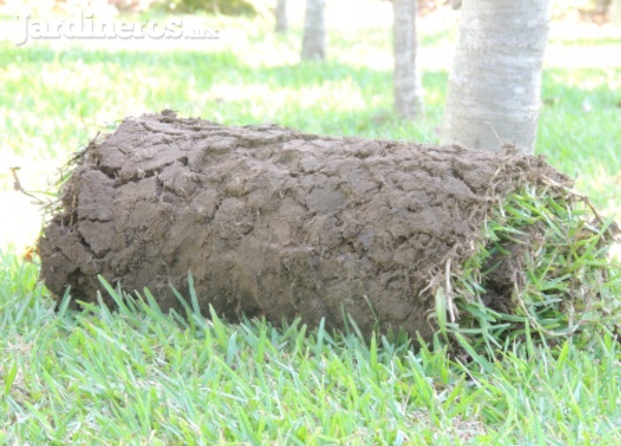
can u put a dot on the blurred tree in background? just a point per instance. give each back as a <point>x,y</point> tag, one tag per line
<point>314,39</point>
<point>407,83</point>
<point>282,24</point>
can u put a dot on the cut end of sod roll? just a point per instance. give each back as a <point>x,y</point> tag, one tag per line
<point>539,270</point>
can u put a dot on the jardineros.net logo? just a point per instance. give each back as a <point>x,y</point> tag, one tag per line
<point>85,26</point>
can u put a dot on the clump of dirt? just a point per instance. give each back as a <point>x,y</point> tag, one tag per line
<point>274,222</point>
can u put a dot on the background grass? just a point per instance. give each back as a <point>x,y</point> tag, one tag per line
<point>140,377</point>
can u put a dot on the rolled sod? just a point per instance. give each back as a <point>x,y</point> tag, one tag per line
<point>274,222</point>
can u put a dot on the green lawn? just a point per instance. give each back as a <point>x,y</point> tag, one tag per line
<point>141,377</point>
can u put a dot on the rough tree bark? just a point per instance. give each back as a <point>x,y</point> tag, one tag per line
<point>272,222</point>
<point>282,24</point>
<point>494,84</point>
<point>314,39</point>
<point>407,90</point>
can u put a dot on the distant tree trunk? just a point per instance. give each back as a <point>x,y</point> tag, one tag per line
<point>282,24</point>
<point>314,41</point>
<point>494,85</point>
<point>615,13</point>
<point>407,92</point>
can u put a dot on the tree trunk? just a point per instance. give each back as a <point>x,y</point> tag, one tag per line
<point>282,25</point>
<point>407,92</point>
<point>314,40</point>
<point>615,13</point>
<point>273,222</point>
<point>494,85</point>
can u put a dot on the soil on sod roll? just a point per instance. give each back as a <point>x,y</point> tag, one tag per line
<point>278,223</point>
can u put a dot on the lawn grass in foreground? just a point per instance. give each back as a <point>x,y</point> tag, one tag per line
<point>141,377</point>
